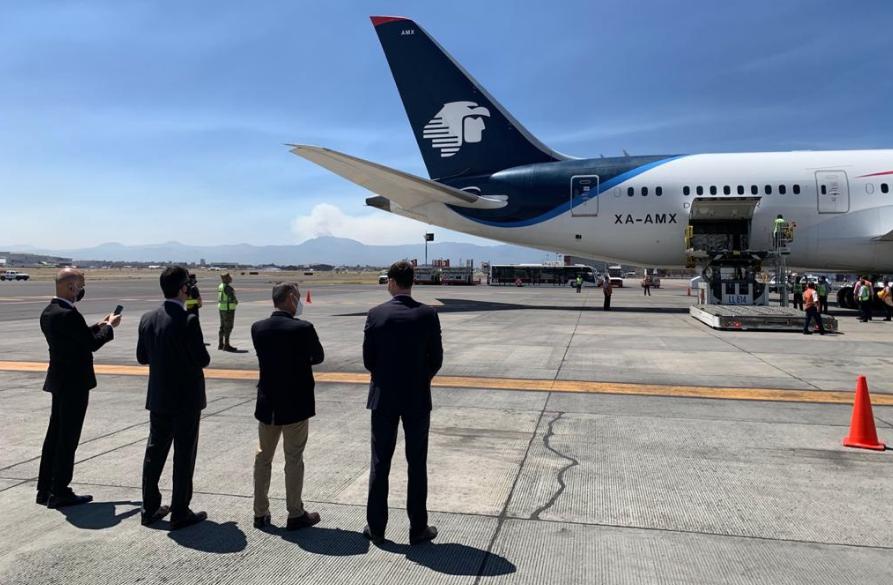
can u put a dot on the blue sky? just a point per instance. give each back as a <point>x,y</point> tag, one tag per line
<point>144,122</point>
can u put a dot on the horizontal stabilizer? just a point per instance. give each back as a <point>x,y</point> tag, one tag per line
<point>408,191</point>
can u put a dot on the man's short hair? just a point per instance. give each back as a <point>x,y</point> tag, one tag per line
<point>402,273</point>
<point>282,291</point>
<point>172,280</point>
<point>810,285</point>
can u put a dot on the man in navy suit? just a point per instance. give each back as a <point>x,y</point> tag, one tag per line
<point>70,377</point>
<point>403,351</point>
<point>171,343</point>
<point>287,349</point>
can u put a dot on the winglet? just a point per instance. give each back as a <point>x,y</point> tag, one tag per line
<point>379,20</point>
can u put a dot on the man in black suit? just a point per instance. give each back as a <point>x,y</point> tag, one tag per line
<point>287,348</point>
<point>171,343</point>
<point>402,349</point>
<point>70,378</point>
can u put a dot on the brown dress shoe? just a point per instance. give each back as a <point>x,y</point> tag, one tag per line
<point>304,521</point>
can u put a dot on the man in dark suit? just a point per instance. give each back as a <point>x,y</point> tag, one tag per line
<point>287,348</point>
<point>70,378</point>
<point>402,349</point>
<point>171,343</point>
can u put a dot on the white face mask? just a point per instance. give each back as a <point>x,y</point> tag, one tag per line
<point>299,308</point>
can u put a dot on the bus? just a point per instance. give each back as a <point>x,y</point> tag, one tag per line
<point>540,274</point>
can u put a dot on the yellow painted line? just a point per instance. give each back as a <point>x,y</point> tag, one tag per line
<point>571,386</point>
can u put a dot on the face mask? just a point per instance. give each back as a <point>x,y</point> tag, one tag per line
<point>81,294</point>
<point>299,308</point>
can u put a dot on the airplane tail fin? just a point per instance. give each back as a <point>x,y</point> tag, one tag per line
<point>460,129</point>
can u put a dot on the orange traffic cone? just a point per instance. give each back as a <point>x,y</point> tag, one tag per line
<point>309,301</point>
<point>862,431</point>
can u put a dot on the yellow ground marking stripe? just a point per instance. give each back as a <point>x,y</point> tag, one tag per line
<point>572,386</point>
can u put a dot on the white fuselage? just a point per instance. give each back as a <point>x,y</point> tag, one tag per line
<point>838,227</point>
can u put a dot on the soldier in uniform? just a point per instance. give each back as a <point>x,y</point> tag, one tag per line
<point>194,300</point>
<point>226,304</point>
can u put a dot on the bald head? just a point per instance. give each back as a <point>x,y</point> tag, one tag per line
<point>69,281</point>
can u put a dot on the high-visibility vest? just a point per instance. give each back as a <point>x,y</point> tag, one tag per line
<point>865,293</point>
<point>777,225</point>
<point>823,289</point>
<point>224,302</point>
<point>798,287</point>
<point>809,298</point>
<point>191,304</point>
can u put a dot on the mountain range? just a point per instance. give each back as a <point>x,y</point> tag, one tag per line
<point>321,250</point>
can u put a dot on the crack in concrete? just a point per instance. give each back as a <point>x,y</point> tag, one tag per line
<point>561,483</point>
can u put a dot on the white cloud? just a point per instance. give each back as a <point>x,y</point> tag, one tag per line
<point>376,227</point>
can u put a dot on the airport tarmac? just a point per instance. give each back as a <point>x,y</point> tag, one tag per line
<point>568,445</point>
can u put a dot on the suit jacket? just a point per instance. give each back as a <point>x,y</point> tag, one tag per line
<point>171,343</point>
<point>287,348</point>
<point>72,343</point>
<point>403,351</point>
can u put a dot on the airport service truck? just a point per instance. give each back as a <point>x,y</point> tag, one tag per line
<point>13,275</point>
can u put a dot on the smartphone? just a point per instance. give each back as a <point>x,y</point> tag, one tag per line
<point>118,310</point>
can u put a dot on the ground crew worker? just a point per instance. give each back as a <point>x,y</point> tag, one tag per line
<point>798,293</point>
<point>811,298</point>
<point>778,230</point>
<point>607,289</point>
<point>646,285</point>
<point>822,289</point>
<point>888,302</point>
<point>226,304</point>
<point>194,297</point>
<point>864,297</point>
<point>579,283</point>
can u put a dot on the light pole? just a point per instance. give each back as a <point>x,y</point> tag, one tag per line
<point>429,237</point>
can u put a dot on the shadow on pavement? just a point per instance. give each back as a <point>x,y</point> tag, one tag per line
<point>452,559</point>
<point>209,536</point>
<point>98,515</point>
<point>470,306</point>
<point>332,542</point>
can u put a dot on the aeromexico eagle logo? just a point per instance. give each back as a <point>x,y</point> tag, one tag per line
<point>456,123</point>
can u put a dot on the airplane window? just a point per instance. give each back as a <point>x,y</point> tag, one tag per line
<point>869,188</point>
<point>630,191</point>
<point>700,190</point>
<point>658,191</point>
<point>824,190</point>
<point>796,189</point>
<point>885,188</point>
<point>782,189</point>
<point>754,189</point>
<point>768,189</point>
<point>686,190</point>
<point>727,190</point>
<point>644,191</point>
<point>713,189</point>
<point>740,189</point>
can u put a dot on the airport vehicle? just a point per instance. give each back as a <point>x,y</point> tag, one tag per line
<point>491,178</point>
<point>383,278</point>
<point>536,274</point>
<point>13,275</point>
<point>652,274</point>
<point>457,275</point>
<point>615,273</point>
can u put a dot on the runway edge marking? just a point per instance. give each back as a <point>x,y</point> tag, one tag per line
<point>569,386</point>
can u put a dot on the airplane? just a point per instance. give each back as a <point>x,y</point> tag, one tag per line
<point>490,177</point>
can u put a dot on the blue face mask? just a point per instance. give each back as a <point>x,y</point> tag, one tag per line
<point>299,308</point>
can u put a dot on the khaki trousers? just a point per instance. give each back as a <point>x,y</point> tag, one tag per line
<point>294,442</point>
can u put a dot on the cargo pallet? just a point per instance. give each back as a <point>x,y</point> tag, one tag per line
<point>755,318</point>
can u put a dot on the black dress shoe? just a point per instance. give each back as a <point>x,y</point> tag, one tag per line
<point>71,499</point>
<point>42,498</point>
<point>306,520</point>
<point>262,521</point>
<point>188,520</point>
<point>375,538</point>
<point>425,535</point>
<point>149,519</point>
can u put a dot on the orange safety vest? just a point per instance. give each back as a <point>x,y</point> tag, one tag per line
<point>809,298</point>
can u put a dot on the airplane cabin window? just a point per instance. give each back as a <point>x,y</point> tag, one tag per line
<point>796,189</point>
<point>824,190</point>
<point>740,189</point>
<point>782,189</point>
<point>885,188</point>
<point>869,188</point>
<point>768,189</point>
<point>644,191</point>
<point>754,189</point>
<point>713,189</point>
<point>727,190</point>
<point>700,190</point>
<point>686,190</point>
<point>658,191</point>
<point>631,191</point>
